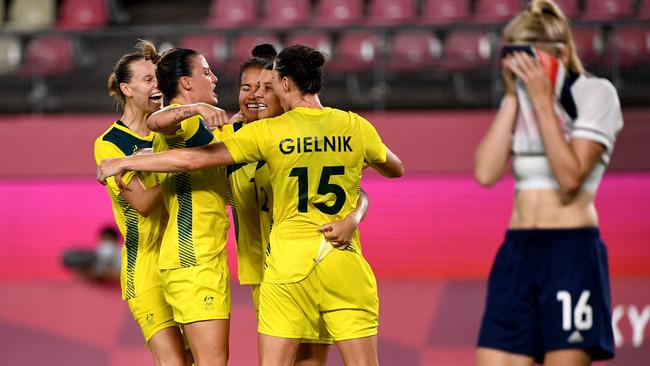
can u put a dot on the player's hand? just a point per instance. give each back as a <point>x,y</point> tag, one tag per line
<point>214,117</point>
<point>108,168</point>
<point>339,233</point>
<point>237,117</point>
<point>532,73</point>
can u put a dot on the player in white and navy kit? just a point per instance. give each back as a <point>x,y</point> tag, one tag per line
<point>548,294</point>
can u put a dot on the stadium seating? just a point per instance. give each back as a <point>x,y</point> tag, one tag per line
<point>213,47</point>
<point>356,51</point>
<point>9,54</point>
<point>644,9</point>
<point>632,45</point>
<point>445,11</point>
<point>28,15</point>
<point>414,50</point>
<point>607,10</point>
<point>286,13</point>
<point>83,14</point>
<point>332,13</point>
<point>589,44</point>
<point>318,40</point>
<point>391,12</point>
<point>48,55</point>
<point>232,13</point>
<point>569,8</point>
<point>243,45</point>
<point>496,11</point>
<point>465,50</point>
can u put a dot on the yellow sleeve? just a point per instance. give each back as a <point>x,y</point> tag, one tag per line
<point>107,150</point>
<point>374,148</point>
<point>249,143</point>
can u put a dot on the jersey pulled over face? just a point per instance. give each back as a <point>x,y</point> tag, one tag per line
<point>315,158</point>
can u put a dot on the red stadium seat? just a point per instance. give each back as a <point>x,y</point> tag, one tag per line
<point>414,50</point>
<point>496,11</point>
<point>83,14</point>
<point>286,13</point>
<point>632,45</point>
<point>317,40</point>
<point>589,44</point>
<point>569,8</point>
<point>214,48</point>
<point>243,45</point>
<point>644,9</point>
<point>391,12</point>
<point>356,51</point>
<point>465,50</point>
<point>338,12</point>
<point>232,13</point>
<point>48,55</point>
<point>607,10</point>
<point>445,11</point>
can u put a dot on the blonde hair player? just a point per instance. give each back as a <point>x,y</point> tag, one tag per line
<point>548,297</point>
<point>138,207</point>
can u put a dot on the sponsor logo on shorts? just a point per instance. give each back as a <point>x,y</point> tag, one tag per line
<point>208,302</point>
<point>575,337</point>
<point>150,319</point>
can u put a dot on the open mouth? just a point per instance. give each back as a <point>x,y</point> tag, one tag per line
<point>261,106</point>
<point>252,106</point>
<point>156,97</point>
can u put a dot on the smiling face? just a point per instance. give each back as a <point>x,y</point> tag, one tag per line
<point>142,90</point>
<point>268,103</point>
<point>249,84</point>
<point>203,81</point>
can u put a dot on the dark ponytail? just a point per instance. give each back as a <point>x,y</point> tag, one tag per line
<point>303,65</point>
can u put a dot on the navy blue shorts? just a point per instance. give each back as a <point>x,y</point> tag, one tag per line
<point>549,290</point>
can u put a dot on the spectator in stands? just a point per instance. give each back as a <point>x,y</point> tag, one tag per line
<point>101,264</point>
<point>192,261</point>
<point>137,207</point>
<point>306,285</point>
<point>548,294</point>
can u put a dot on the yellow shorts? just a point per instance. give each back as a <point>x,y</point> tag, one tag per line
<point>151,312</point>
<point>337,301</point>
<point>200,292</point>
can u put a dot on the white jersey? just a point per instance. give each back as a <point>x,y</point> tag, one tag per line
<point>588,108</point>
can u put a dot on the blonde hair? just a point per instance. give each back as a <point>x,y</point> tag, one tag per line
<point>121,74</point>
<point>543,21</point>
<point>148,51</point>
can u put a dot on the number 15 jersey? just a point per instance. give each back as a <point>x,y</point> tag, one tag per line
<point>315,157</point>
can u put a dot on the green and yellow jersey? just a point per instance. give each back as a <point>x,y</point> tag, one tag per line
<point>141,234</point>
<point>198,224</point>
<point>265,205</point>
<point>245,216</point>
<point>315,158</point>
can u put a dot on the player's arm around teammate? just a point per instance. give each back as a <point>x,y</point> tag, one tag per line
<point>193,264</point>
<point>548,295</point>
<point>137,206</point>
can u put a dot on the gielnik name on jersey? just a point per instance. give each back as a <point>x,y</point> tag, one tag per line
<point>307,144</point>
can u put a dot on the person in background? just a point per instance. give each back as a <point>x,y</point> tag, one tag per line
<point>548,298</point>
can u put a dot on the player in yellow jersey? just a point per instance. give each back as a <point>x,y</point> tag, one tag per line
<point>138,207</point>
<point>315,156</point>
<point>192,261</point>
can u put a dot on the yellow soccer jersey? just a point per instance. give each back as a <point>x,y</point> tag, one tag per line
<point>315,158</point>
<point>196,201</point>
<point>265,205</point>
<point>142,235</point>
<point>245,216</point>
